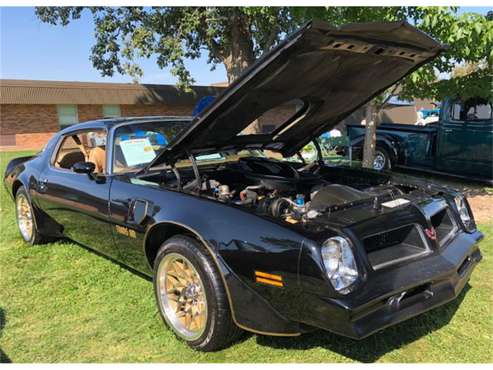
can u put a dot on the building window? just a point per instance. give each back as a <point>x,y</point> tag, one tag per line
<point>111,111</point>
<point>67,115</point>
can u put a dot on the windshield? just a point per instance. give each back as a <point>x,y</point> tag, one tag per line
<point>224,157</point>
<point>137,144</point>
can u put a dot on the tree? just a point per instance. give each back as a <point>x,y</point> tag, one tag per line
<point>470,40</point>
<point>234,36</point>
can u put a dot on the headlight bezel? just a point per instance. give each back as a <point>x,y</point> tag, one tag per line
<point>340,264</point>
<point>464,212</point>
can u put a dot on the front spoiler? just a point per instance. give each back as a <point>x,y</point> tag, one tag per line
<point>404,292</point>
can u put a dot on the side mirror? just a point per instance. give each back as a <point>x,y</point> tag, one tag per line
<point>84,167</point>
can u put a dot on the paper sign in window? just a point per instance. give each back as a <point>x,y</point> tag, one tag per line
<point>137,151</point>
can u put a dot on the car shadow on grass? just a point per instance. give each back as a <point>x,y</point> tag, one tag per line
<point>375,346</point>
<point>4,359</point>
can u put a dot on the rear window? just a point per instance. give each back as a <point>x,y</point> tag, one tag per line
<point>471,110</point>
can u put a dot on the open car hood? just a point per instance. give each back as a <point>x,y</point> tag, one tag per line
<point>332,71</point>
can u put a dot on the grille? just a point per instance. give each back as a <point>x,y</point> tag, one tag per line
<point>395,246</point>
<point>444,225</point>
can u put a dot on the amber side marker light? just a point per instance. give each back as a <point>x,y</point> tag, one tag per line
<point>269,279</point>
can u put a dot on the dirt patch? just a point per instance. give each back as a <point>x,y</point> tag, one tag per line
<point>482,207</point>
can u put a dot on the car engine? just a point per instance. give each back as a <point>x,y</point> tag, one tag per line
<point>276,189</point>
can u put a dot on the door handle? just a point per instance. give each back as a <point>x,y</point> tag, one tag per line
<point>447,130</point>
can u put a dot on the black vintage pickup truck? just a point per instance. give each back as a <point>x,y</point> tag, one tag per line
<point>460,143</point>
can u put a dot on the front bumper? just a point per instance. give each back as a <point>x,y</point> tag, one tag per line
<point>392,296</point>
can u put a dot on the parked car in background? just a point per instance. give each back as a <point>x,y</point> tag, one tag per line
<point>427,116</point>
<point>460,143</point>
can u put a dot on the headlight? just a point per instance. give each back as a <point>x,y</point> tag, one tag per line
<point>460,203</point>
<point>339,263</point>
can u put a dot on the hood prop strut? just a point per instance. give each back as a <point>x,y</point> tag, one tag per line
<point>178,177</point>
<point>195,170</point>
<point>320,158</point>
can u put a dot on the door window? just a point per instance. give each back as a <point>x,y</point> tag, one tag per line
<point>89,146</point>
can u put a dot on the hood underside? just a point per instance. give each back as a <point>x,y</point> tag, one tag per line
<point>331,71</point>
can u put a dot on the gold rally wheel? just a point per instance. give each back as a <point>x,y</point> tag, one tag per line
<point>182,296</point>
<point>190,295</point>
<point>25,217</point>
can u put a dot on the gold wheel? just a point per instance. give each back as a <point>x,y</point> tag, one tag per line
<point>182,296</point>
<point>24,217</point>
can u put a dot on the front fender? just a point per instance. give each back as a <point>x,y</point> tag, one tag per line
<point>239,241</point>
<point>242,243</point>
<point>387,142</point>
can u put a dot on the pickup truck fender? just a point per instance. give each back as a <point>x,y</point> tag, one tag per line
<point>390,144</point>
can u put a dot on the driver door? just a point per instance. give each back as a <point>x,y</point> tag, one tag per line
<point>79,201</point>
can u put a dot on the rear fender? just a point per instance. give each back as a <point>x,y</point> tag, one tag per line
<point>14,163</point>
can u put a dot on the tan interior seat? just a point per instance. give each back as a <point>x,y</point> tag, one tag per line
<point>68,159</point>
<point>97,156</point>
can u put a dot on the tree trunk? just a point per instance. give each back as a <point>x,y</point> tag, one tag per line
<point>370,136</point>
<point>239,57</point>
<point>240,54</point>
<point>235,65</point>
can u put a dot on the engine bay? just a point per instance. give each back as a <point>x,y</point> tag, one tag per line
<point>290,192</point>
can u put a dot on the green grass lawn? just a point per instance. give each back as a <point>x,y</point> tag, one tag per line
<point>62,303</point>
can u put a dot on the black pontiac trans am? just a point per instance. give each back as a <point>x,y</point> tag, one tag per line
<point>236,239</point>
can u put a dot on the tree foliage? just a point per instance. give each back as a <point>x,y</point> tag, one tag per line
<point>233,36</point>
<point>469,38</point>
<point>236,36</point>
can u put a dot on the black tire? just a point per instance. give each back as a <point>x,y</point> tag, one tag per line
<point>35,237</point>
<point>220,330</point>
<point>382,153</point>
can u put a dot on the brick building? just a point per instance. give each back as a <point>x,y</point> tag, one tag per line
<point>31,111</point>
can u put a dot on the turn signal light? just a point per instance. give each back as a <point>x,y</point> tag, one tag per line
<point>269,279</point>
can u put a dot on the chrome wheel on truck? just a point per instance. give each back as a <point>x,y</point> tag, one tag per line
<point>382,160</point>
